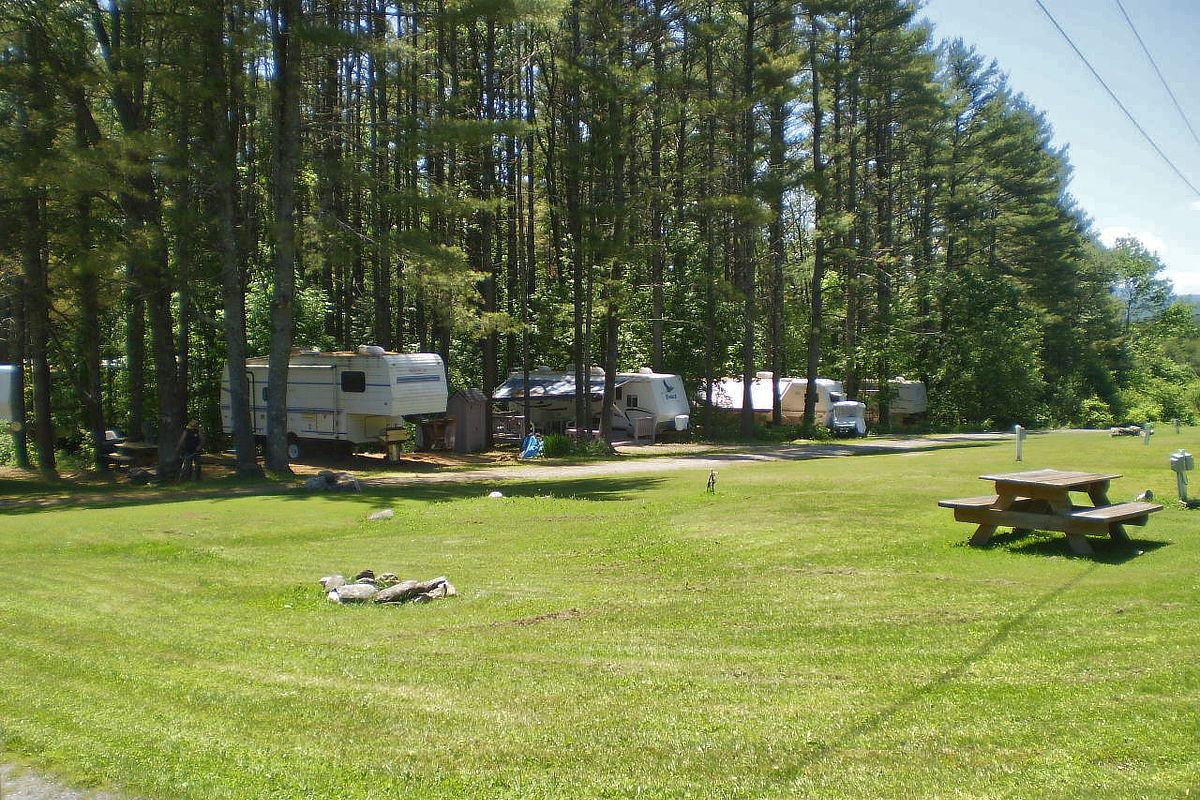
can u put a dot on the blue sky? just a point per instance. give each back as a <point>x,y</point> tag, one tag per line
<point>1118,179</point>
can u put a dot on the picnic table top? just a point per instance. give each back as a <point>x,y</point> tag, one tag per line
<point>1053,478</point>
<point>138,446</point>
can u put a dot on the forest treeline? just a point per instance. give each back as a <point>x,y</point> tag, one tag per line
<point>706,187</point>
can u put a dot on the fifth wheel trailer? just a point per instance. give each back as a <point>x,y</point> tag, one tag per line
<point>645,397</point>
<point>350,397</point>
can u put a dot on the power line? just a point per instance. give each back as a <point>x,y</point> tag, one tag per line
<point>1117,100</point>
<point>1158,72</point>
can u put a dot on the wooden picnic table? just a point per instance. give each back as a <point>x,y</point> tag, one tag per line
<point>138,454</point>
<point>1041,500</point>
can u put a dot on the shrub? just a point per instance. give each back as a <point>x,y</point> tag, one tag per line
<point>8,450</point>
<point>1095,413</point>
<point>815,432</point>
<point>557,445</point>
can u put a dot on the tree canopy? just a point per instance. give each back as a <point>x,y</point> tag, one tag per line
<point>706,188</point>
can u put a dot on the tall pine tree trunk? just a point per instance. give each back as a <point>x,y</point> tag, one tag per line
<point>777,171</point>
<point>90,337</point>
<point>708,221</point>
<point>380,178</point>
<point>816,309</point>
<point>37,305</point>
<point>33,113</point>
<point>744,231</point>
<point>19,355</point>
<point>220,72</point>
<point>612,315</point>
<point>657,248</point>
<point>287,153</point>
<point>142,206</point>
<point>573,171</point>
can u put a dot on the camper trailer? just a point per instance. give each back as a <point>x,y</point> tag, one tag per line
<point>348,397</point>
<point>728,395</point>
<point>656,397</point>
<point>907,403</point>
<point>9,374</point>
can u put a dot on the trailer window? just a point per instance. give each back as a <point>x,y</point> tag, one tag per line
<point>354,381</point>
<point>631,401</point>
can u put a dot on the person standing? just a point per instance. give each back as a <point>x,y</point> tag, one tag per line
<point>191,442</point>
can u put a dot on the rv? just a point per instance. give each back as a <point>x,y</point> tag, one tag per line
<point>728,395</point>
<point>350,397</point>
<point>645,399</point>
<point>907,403</point>
<point>9,375</point>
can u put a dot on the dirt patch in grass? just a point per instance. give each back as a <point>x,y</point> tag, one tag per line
<point>553,616</point>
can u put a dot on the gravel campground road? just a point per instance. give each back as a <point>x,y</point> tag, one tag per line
<point>17,783</point>
<point>709,458</point>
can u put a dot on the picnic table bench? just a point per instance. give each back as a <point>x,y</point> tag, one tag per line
<point>1040,500</point>
<point>118,459</point>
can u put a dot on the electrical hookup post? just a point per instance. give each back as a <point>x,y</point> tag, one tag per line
<point>1181,463</point>
<point>1019,433</point>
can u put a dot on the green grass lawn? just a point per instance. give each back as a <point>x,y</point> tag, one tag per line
<point>815,629</point>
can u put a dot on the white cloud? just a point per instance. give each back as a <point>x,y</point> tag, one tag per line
<point>1195,205</point>
<point>1151,242</point>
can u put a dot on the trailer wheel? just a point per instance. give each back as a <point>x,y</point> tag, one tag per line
<point>293,448</point>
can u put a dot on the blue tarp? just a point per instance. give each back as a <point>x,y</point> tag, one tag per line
<point>533,446</point>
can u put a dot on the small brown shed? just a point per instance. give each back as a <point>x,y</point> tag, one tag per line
<point>468,409</point>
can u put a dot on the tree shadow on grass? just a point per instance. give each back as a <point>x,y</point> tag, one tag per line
<point>600,488</point>
<point>917,695</point>
<point>806,451</point>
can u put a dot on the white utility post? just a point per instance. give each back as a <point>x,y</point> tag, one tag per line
<point>1181,462</point>
<point>1020,434</point>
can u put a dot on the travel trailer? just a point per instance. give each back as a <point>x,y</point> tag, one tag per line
<point>728,395</point>
<point>8,391</point>
<point>907,404</point>
<point>643,395</point>
<point>349,397</point>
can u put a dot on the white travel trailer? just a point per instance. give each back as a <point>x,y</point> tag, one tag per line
<point>643,395</point>
<point>907,404</point>
<point>8,391</point>
<point>728,394</point>
<point>350,397</point>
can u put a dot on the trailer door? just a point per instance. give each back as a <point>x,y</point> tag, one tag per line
<point>312,401</point>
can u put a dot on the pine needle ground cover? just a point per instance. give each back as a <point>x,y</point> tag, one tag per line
<point>814,629</point>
